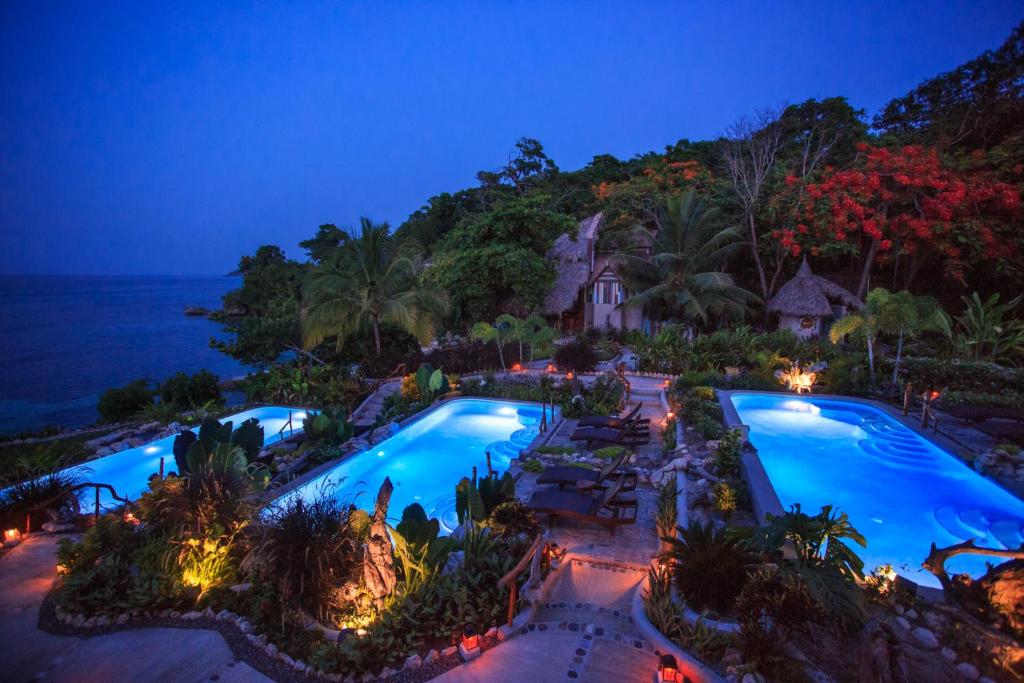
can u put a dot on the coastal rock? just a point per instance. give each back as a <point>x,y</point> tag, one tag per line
<point>949,654</point>
<point>196,310</point>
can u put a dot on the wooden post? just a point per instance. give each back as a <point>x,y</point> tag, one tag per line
<point>97,503</point>
<point>28,522</point>
<point>490,470</point>
<point>511,601</point>
<point>907,393</point>
<point>161,467</point>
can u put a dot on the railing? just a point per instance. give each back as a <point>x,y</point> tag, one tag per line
<point>532,558</point>
<point>77,487</point>
<point>288,424</point>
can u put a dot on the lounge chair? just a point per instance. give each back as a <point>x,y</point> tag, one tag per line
<point>604,509</point>
<point>580,477</point>
<point>636,434</point>
<point>613,422</point>
<point>1008,431</point>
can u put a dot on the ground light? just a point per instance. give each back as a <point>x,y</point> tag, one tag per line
<point>469,645</point>
<point>12,537</point>
<point>668,670</point>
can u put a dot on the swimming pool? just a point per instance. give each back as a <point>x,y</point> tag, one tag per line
<point>426,459</point>
<point>128,471</point>
<point>900,490</point>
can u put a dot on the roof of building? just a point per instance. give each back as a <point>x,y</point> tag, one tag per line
<point>573,257</point>
<point>810,294</point>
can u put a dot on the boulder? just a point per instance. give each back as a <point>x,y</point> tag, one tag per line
<point>968,671</point>
<point>925,638</point>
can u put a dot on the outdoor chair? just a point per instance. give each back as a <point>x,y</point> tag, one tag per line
<point>587,478</point>
<point>604,509</point>
<point>613,422</point>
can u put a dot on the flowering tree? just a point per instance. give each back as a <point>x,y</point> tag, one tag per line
<point>904,207</point>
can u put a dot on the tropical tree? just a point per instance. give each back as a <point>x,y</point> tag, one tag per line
<point>682,278</point>
<point>905,316</point>
<point>897,314</point>
<point>368,281</point>
<point>501,333</point>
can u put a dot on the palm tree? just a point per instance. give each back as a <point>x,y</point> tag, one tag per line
<point>682,278</point>
<point>900,314</point>
<point>368,282</point>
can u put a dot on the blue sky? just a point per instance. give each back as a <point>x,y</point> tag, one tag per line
<point>170,138</point>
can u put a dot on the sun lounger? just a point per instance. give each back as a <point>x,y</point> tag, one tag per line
<point>637,434</point>
<point>1009,431</point>
<point>584,477</point>
<point>613,422</point>
<point>604,509</point>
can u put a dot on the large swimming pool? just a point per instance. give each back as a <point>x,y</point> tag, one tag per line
<point>426,459</point>
<point>901,490</point>
<point>128,471</point>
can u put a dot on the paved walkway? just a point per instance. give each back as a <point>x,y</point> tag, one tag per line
<point>583,632</point>
<point>27,573</point>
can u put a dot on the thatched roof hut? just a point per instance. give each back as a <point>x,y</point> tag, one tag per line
<point>808,294</point>
<point>573,258</point>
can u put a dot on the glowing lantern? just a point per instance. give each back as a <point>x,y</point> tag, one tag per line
<point>470,638</point>
<point>569,375</point>
<point>668,670</point>
<point>665,384</point>
<point>934,396</point>
<point>516,367</point>
<point>62,569</point>
<point>12,537</point>
<point>131,519</point>
<point>550,367</point>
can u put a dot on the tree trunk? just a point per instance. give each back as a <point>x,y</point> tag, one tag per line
<point>376,335</point>
<point>871,358</point>
<point>501,357</point>
<point>865,273</point>
<point>899,355</point>
<point>762,278</point>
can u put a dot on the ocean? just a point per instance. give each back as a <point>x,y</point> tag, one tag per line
<point>64,340</point>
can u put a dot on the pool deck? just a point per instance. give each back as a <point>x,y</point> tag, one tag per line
<point>29,572</point>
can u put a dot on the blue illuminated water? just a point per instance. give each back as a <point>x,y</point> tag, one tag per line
<point>128,471</point>
<point>900,490</point>
<point>426,459</point>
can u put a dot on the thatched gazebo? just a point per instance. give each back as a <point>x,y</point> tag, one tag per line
<point>573,258</point>
<point>807,300</point>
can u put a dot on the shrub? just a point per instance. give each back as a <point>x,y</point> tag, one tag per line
<point>727,454</point>
<point>307,549</point>
<point>1006,399</point>
<point>533,466</point>
<point>781,599</point>
<point>710,568</point>
<point>513,518</point>
<point>668,510</point>
<point>189,393</point>
<point>35,493</point>
<point>124,403</point>
<point>956,375</point>
<point>576,355</point>
<point>725,499</point>
<point>708,427</point>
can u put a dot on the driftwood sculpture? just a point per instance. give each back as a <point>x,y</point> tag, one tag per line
<point>378,561</point>
<point>997,596</point>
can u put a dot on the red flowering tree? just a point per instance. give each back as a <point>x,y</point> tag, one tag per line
<point>906,208</point>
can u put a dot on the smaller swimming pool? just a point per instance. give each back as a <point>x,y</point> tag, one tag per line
<point>427,458</point>
<point>128,471</point>
<point>901,490</point>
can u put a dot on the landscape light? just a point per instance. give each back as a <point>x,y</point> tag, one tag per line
<point>668,669</point>
<point>469,645</point>
<point>12,537</point>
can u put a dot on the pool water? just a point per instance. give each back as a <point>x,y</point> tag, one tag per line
<point>426,459</point>
<point>128,471</point>
<point>901,491</point>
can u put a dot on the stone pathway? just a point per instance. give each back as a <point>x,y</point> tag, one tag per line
<point>28,571</point>
<point>365,415</point>
<point>583,632</point>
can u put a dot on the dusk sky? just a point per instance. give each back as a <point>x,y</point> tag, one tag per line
<point>171,138</point>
